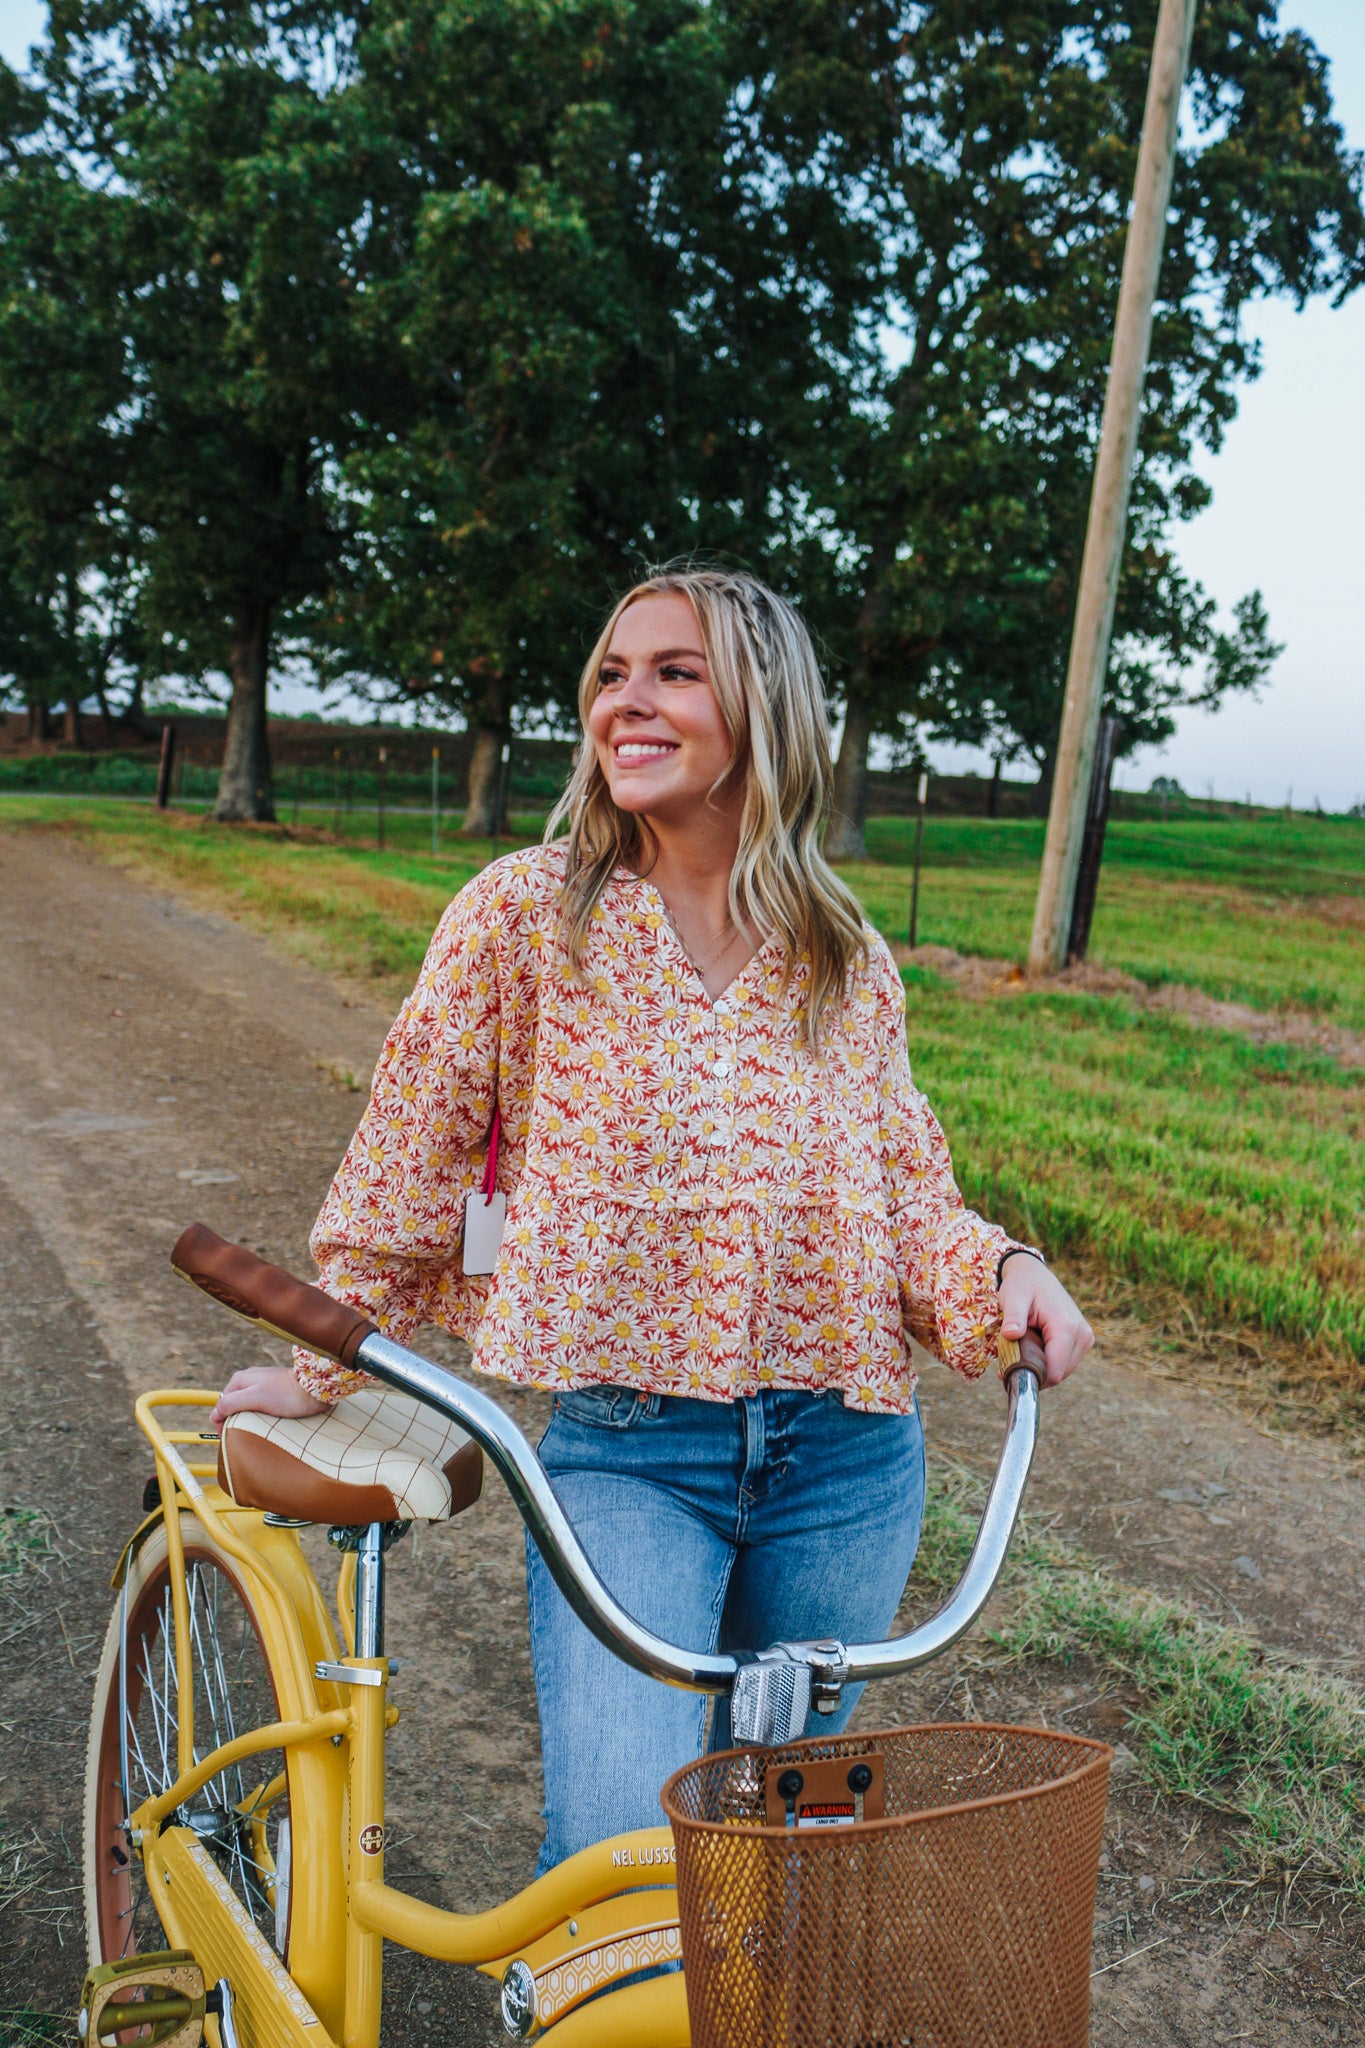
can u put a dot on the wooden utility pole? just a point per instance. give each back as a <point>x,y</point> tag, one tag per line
<point>1109,492</point>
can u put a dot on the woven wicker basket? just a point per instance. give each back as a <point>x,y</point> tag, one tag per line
<point>962,1919</point>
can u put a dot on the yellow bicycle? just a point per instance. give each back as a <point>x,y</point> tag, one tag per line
<point>235,1776</point>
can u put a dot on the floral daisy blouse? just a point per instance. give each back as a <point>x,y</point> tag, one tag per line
<point>697,1202</point>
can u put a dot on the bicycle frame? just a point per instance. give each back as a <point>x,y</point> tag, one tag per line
<point>341,1909</point>
<point>600,1917</point>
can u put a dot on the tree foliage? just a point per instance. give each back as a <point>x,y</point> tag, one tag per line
<point>607,350</point>
<point>400,336</point>
<point>206,139</point>
<point>62,380</point>
<point>1002,210</point>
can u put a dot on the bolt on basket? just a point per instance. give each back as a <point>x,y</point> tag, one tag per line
<point>960,1918</point>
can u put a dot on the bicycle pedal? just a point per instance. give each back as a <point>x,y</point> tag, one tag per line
<point>162,1995</point>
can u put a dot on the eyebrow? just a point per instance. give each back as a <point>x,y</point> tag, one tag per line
<point>663,654</point>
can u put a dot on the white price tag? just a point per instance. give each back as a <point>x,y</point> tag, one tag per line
<point>484,1218</point>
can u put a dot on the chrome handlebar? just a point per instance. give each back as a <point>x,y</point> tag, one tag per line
<point>826,1666</point>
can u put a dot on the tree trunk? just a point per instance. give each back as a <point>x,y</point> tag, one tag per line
<point>134,712</point>
<point>245,793</point>
<point>1040,796</point>
<point>490,727</point>
<point>993,800</point>
<point>99,684</point>
<point>37,720</point>
<point>71,716</point>
<point>844,839</point>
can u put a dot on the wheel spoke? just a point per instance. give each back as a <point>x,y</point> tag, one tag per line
<point>238,1815</point>
<point>153,1781</point>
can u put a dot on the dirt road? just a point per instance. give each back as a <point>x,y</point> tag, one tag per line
<point>162,1064</point>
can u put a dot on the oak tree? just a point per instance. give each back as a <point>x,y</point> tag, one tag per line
<point>623,253</point>
<point>62,382</point>
<point>1001,205</point>
<point>215,127</point>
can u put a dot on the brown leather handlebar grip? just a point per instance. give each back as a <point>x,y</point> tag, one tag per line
<point>269,1296</point>
<point>1027,1352</point>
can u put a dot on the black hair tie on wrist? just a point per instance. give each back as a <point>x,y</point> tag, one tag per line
<point>1016,1251</point>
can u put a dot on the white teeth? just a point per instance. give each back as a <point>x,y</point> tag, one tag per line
<point>642,750</point>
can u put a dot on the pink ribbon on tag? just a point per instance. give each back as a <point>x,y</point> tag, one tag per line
<point>490,1164</point>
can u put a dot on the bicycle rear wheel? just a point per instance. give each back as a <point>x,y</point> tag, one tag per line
<point>242,1816</point>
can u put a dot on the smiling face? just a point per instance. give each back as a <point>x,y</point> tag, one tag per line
<point>659,733</point>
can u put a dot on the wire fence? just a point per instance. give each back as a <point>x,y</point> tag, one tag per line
<point>340,777</point>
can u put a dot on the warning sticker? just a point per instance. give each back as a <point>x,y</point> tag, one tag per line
<point>826,1813</point>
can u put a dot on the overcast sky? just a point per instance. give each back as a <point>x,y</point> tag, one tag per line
<point>1288,515</point>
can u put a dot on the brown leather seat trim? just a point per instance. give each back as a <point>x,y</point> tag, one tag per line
<point>464,1470</point>
<point>264,1475</point>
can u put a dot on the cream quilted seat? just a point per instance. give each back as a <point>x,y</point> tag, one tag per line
<point>375,1457</point>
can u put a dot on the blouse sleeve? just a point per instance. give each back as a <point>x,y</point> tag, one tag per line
<point>946,1255</point>
<point>388,1237</point>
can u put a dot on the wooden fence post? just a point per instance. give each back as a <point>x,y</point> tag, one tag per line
<point>921,794</point>
<point>1092,845</point>
<point>165,767</point>
<point>500,805</point>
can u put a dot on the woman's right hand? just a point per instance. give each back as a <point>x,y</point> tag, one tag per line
<point>264,1390</point>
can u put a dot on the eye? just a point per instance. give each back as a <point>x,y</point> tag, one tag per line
<point>610,678</point>
<point>677,672</point>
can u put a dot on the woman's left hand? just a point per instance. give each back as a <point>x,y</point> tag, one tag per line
<point>268,1390</point>
<point>1031,1298</point>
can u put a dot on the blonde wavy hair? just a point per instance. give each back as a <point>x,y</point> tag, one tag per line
<point>767,683</point>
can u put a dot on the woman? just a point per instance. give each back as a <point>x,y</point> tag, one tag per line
<point>728,1206</point>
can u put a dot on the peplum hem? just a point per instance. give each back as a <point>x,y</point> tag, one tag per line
<point>715,1304</point>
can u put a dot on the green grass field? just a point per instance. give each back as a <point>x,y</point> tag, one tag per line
<point>1230,1173</point>
<point>1265,912</point>
<point>1186,1159</point>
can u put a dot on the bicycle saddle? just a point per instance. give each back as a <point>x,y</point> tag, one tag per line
<point>375,1457</point>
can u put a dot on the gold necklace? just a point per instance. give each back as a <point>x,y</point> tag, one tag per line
<point>720,945</point>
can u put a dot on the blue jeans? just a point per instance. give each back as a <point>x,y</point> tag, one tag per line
<point>734,1524</point>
